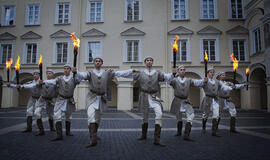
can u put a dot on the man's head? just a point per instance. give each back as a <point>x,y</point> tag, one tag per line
<point>222,76</point>
<point>67,69</point>
<point>50,74</point>
<point>181,71</point>
<point>36,75</point>
<point>148,62</point>
<point>98,62</point>
<point>210,72</point>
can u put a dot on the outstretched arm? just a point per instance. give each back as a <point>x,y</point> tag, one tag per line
<point>125,73</point>
<point>198,83</point>
<point>29,86</point>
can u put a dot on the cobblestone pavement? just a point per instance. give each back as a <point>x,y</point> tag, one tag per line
<point>119,131</point>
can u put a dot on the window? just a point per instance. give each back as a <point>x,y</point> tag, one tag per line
<point>63,10</point>
<point>133,10</point>
<point>95,11</point>
<point>256,37</point>
<point>8,15</point>
<point>183,51</point>
<point>208,9</point>
<point>132,51</point>
<point>6,52</point>
<point>239,49</point>
<point>179,9</point>
<point>94,50</point>
<point>33,14</point>
<point>211,47</point>
<point>61,52</point>
<point>31,50</point>
<point>236,9</point>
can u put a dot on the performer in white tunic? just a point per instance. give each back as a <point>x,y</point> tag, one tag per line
<point>225,102</point>
<point>181,103</point>
<point>149,79</point>
<point>46,101</point>
<point>98,81</point>
<point>35,94</point>
<point>209,102</point>
<point>64,105</point>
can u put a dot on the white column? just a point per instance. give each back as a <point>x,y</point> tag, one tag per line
<point>80,94</point>
<point>245,98</point>
<point>10,97</point>
<point>124,94</point>
<point>166,96</point>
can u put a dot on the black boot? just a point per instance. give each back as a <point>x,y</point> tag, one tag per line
<point>40,127</point>
<point>157,135</point>
<point>29,124</point>
<point>144,131</point>
<point>214,127</point>
<point>204,125</point>
<point>98,138</point>
<point>179,128</point>
<point>51,125</point>
<point>59,136</point>
<point>187,131</point>
<point>93,134</point>
<point>68,133</point>
<point>218,122</point>
<point>232,125</point>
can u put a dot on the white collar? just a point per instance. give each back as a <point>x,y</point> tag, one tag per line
<point>181,80</point>
<point>211,80</point>
<point>151,72</point>
<point>67,78</point>
<point>98,72</point>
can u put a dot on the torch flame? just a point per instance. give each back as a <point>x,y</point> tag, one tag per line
<point>235,62</point>
<point>17,65</point>
<point>8,63</point>
<point>175,46</point>
<point>205,56</point>
<point>247,71</point>
<point>40,60</point>
<point>76,41</point>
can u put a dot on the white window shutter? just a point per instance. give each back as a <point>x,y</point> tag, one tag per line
<point>88,12</point>
<point>102,11</point>
<point>201,9</point>
<point>3,16</point>
<point>216,9</point>
<point>27,15</point>
<point>187,8</point>
<point>56,13</point>
<point>126,3</point>
<point>69,12</point>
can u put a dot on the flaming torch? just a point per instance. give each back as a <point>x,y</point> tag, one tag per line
<point>76,45</point>
<point>8,64</point>
<point>205,63</point>
<point>235,66</point>
<point>40,66</point>
<point>247,74</point>
<point>175,49</point>
<point>17,68</point>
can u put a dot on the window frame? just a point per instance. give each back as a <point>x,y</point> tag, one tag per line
<point>1,52</point>
<point>3,17</point>
<point>252,42</point>
<point>87,49</point>
<point>215,10</point>
<point>187,50</point>
<point>125,56</point>
<point>126,13</point>
<point>217,58</point>
<point>27,14</point>
<point>25,52</point>
<point>57,13</point>
<point>55,51</point>
<point>88,18</point>
<point>245,46</point>
<point>186,11</point>
<point>230,10</point>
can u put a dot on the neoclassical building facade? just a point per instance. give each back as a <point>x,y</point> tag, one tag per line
<point>123,32</point>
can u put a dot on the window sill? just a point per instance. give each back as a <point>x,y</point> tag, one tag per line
<point>179,20</point>
<point>94,22</point>
<point>62,24</point>
<point>132,62</point>
<point>202,62</point>
<point>243,62</point>
<point>236,19</point>
<point>31,25</point>
<point>58,64</point>
<point>209,19</point>
<point>29,64</point>
<point>137,21</point>
<point>6,26</point>
<point>179,62</point>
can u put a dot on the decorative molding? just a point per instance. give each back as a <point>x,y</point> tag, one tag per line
<point>238,30</point>
<point>132,32</point>
<point>31,35</point>
<point>209,30</point>
<point>93,33</point>
<point>180,31</point>
<point>7,36</point>
<point>60,34</point>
